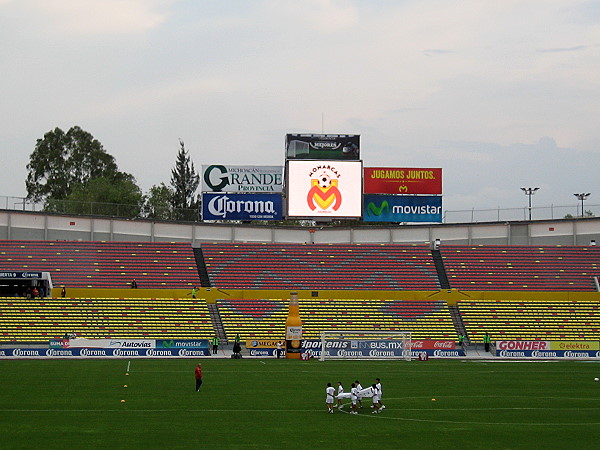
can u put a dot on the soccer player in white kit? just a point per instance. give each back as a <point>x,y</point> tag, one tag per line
<point>375,399</point>
<point>340,390</point>
<point>379,394</point>
<point>329,393</point>
<point>354,398</point>
<point>358,389</point>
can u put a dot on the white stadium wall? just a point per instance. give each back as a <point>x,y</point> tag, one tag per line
<point>40,226</point>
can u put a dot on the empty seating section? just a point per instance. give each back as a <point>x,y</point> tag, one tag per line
<point>23,320</point>
<point>105,264</point>
<point>320,266</point>
<point>509,320</point>
<point>520,268</point>
<point>265,319</point>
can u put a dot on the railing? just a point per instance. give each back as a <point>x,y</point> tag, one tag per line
<point>193,215</point>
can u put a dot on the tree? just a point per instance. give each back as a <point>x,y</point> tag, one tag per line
<point>117,196</point>
<point>61,161</point>
<point>184,181</point>
<point>158,203</point>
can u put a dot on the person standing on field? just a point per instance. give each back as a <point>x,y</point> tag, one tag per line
<point>358,389</point>
<point>198,375</point>
<point>215,344</point>
<point>379,393</point>
<point>487,340</point>
<point>340,390</point>
<point>329,393</point>
<point>279,348</point>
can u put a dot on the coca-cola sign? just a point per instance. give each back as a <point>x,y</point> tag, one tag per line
<point>430,344</point>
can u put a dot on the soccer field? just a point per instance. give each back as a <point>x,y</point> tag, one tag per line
<point>281,404</point>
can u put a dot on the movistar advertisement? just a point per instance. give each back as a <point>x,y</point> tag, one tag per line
<point>322,146</point>
<point>324,188</point>
<point>402,208</point>
<point>402,180</point>
<point>220,178</point>
<point>226,206</point>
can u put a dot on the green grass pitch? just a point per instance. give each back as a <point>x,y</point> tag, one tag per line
<point>250,403</point>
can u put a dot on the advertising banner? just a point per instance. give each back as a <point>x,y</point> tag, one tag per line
<point>220,178</point>
<point>182,343</point>
<point>264,347</point>
<point>241,206</point>
<point>402,208</point>
<point>358,349</point>
<point>102,343</point>
<point>324,188</point>
<point>402,180</point>
<point>548,349</point>
<point>20,275</point>
<point>32,353</point>
<point>323,146</point>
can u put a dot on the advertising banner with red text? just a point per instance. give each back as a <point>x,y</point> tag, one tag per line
<point>402,180</point>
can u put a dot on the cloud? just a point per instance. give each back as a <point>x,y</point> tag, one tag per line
<point>93,17</point>
<point>576,48</point>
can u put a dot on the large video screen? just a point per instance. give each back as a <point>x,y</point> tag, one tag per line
<point>323,146</point>
<point>324,188</point>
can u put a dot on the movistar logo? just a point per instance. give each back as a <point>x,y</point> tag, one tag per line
<point>167,344</point>
<point>373,210</point>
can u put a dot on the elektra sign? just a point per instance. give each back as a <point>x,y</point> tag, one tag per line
<point>220,178</point>
<point>241,206</point>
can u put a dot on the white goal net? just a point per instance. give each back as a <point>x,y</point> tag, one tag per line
<point>366,345</point>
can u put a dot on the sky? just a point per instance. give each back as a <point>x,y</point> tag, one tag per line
<point>499,94</point>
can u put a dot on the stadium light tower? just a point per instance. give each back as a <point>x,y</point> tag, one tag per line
<point>582,197</point>
<point>529,192</point>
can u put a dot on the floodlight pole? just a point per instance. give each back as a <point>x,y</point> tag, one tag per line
<point>529,192</point>
<point>582,197</point>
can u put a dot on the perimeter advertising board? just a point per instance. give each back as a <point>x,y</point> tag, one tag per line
<point>322,146</point>
<point>221,178</point>
<point>40,353</point>
<point>548,349</point>
<point>402,180</point>
<point>324,188</point>
<point>402,208</point>
<point>373,349</point>
<point>226,206</point>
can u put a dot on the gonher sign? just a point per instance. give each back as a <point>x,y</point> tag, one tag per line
<point>324,188</point>
<point>219,178</point>
<point>548,349</point>
<point>389,180</point>
<point>241,206</point>
<point>322,146</point>
<point>402,208</point>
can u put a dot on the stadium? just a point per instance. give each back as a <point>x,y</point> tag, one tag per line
<point>482,333</point>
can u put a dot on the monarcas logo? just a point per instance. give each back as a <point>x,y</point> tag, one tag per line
<point>324,193</point>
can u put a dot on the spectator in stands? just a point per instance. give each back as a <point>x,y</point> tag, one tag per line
<point>487,340</point>
<point>198,375</point>
<point>215,344</point>
<point>35,293</point>
<point>134,284</point>
<point>63,292</point>
<point>42,292</point>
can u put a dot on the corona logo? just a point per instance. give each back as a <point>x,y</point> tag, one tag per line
<point>324,193</point>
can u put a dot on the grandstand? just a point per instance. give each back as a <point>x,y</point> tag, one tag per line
<point>531,320</point>
<point>316,266</point>
<point>519,268</point>
<point>38,320</point>
<point>364,276</point>
<point>155,265</point>
<point>265,319</point>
